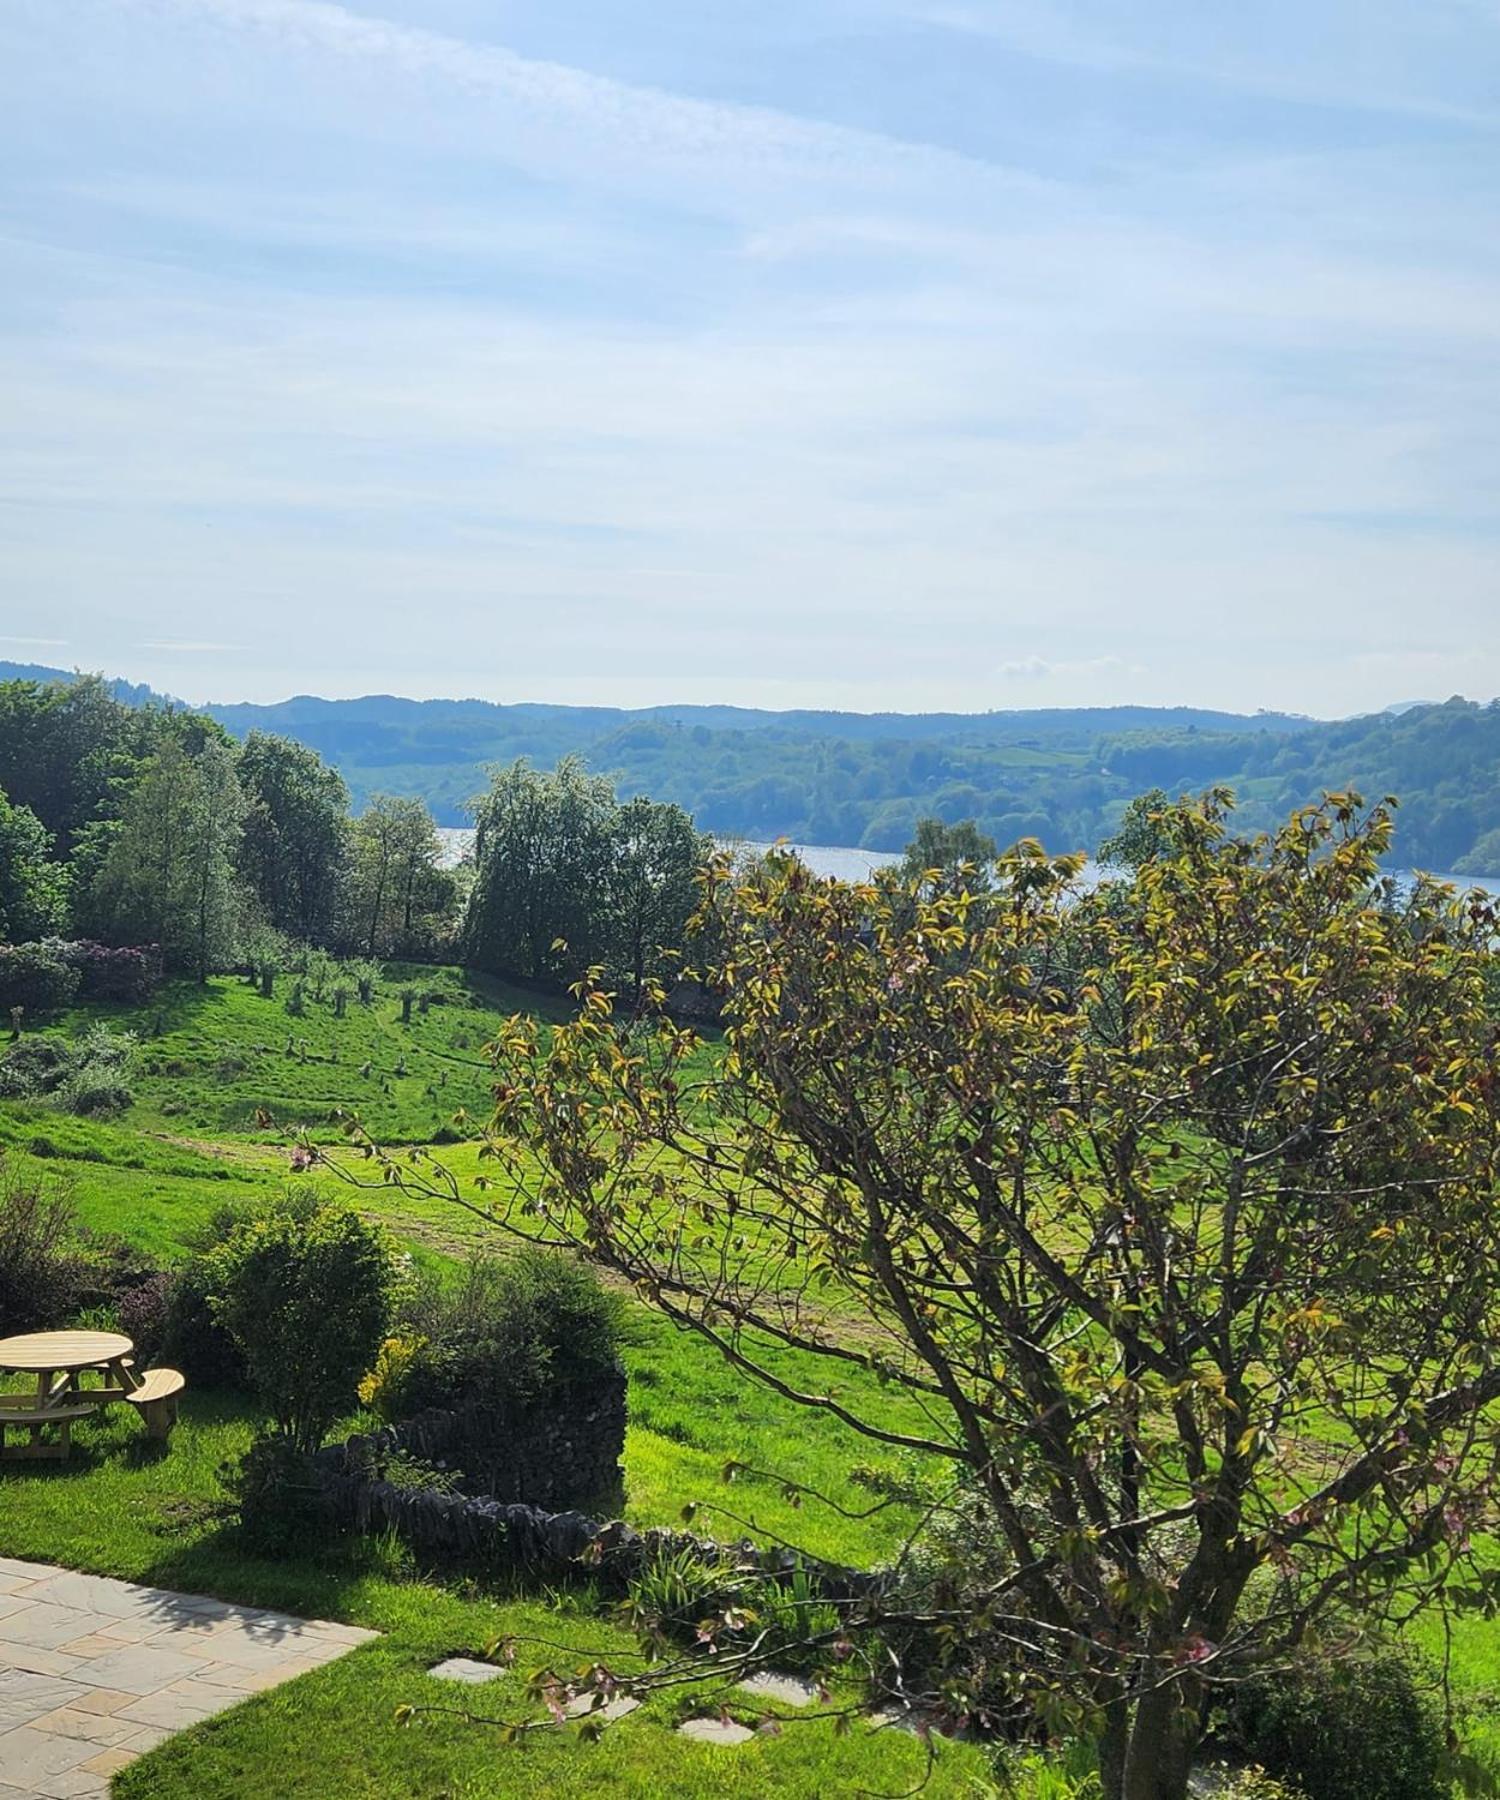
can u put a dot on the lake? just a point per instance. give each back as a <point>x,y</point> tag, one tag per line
<point>858,865</point>
<point>822,859</point>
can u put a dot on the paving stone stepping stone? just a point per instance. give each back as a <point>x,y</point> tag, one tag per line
<point>790,1690</point>
<point>715,1731</point>
<point>581,1706</point>
<point>465,1668</point>
<point>95,1672</point>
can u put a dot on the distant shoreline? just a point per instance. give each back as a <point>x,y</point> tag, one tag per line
<point>851,864</point>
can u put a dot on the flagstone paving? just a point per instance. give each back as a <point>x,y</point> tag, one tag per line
<point>94,1672</point>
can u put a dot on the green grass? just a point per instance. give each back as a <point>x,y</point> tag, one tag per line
<point>213,1056</point>
<point>210,1059</point>
<point>164,1520</point>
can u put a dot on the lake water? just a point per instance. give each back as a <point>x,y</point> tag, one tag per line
<point>822,859</point>
<point>859,865</point>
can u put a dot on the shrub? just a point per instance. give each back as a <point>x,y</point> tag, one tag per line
<point>1251,1783</point>
<point>93,1091</point>
<point>43,1268</point>
<point>128,974</point>
<point>306,1294</point>
<point>1361,1729</point>
<point>142,1309</point>
<point>34,1067</point>
<point>512,1332</point>
<point>99,1081</point>
<point>281,1501</point>
<point>90,1077</point>
<point>193,1339</point>
<point>788,1611</point>
<point>384,1389</point>
<point>675,1591</point>
<point>37,976</point>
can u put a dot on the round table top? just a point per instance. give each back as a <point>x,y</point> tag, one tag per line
<point>39,1351</point>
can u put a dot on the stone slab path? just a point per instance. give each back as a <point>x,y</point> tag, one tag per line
<point>94,1672</point>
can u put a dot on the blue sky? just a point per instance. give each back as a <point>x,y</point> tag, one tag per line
<point>865,353</point>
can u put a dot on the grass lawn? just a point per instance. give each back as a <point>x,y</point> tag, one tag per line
<point>164,1520</point>
<point>210,1057</point>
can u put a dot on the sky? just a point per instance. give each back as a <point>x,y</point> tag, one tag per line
<point>879,354</point>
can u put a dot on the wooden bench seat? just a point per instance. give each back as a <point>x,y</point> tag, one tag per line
<point>156,1399</point>
<point>34,1417</point>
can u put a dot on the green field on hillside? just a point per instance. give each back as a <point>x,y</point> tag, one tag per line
<point>211,1059</point>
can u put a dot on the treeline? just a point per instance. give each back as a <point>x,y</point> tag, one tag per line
<point>1062,776</point>
<point>137,825</point>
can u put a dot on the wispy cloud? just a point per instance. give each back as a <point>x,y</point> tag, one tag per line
<point>642,120</point>
<point>614,368</point>
<point>1342,67</point>
<point>1038,668</point>
<point>37,643</point>
<point>185,647</point>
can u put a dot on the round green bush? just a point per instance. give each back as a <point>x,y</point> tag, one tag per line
<point>37,976</point>
<point>511,1332</point>
<point>1367,1728</point>
<point>306,1294</point>
<point>193,1339</point>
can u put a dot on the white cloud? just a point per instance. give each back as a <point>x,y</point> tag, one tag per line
<point>639,120</point>
<point>178,646</point>
<point>38,643</point>
<point>1038,668</point>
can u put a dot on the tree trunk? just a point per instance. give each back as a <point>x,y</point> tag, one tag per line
<point>1114,1746</point>
<point>1163,1737</point>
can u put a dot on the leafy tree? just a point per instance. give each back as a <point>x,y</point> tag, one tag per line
<point>306,1295</point>
<point>655,857</point>
<point>169,875</point>
<point>542,856</point>
<point>33,890</point>
<point>396,890</point>
<point>63,749</point>
<point>72,751</point>
<point>295,834</point>
<point>1176,1219</point>
<point>215,813</point>
<point>961,853</point>
<point>1144,831</point>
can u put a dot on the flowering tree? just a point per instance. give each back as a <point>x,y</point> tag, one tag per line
<point>1173,1208</point>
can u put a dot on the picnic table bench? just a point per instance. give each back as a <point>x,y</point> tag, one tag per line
<point>60,1360</point>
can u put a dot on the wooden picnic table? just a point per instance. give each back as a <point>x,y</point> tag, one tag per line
<point>60,1360</point>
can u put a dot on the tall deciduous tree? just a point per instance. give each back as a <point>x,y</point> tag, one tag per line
<point>542,854</point>
<point>1176,1215</point>
<point>396,889</point>
<point>169,875</point>
<point>295,836</point>
<point>33,889</point>
<point>655,857</point>
<point>960,854</point>
<point>215,816</point>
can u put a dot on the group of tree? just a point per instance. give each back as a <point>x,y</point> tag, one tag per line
<point>566,878</point>
<point>150,825</point>
<point>1059,775</point>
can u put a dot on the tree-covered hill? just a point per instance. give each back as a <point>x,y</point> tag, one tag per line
<point>865,779</point>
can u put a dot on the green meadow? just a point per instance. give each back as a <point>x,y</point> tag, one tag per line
<point>213,1065</point>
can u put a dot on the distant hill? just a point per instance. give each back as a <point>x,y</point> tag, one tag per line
<point>1059,774</point>
<point>132,693</point>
